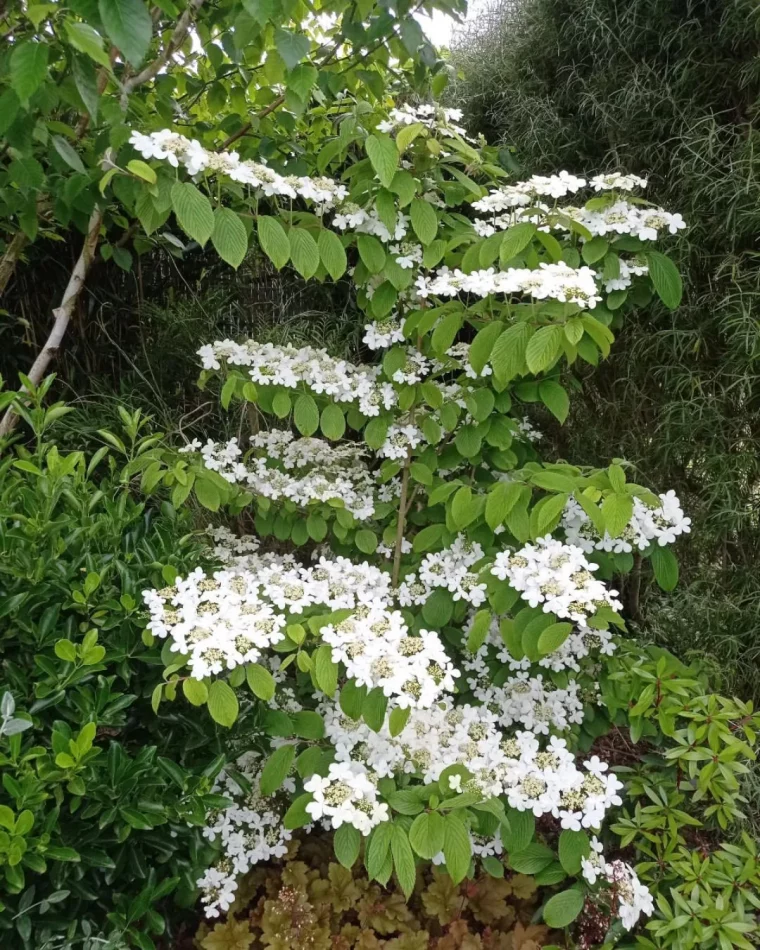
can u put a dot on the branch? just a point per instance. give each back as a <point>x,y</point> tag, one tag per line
<point>244,129</point>
<point>177,39</point>
<point>62,313</point>
<point>9,258</point>
<point>402,512</point>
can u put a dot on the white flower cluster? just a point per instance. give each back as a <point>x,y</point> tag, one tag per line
<point>383,334</point>
<point>660,525</point>
<point>524,193</point>
<point>629,898</point>
<point>642,222</point>
<point>558,576</point>
<point>556,281</point>
<point>378,650</point>
<point>542,781</point>
<point>628,269</point>
<point>191,155</point>
<point>250,831</point>
<point>617,181</point>
<point>314,470</point>
<point>449,569</point>
<point>292,367</point>
<point>431,117</point>
<point>399,440</point>
<point>348,795</point>
<point>367,221</point>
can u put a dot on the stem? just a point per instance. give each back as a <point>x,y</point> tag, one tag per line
<point>177,39</point>
<point>402,512</point>
<point>62,313</point>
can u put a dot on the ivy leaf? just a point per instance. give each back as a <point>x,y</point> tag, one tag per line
<point>229,237</point>
<point>193,211</point>
<point>665,278</point>
<point>383,154</point>
<point>291,46</point>
<point>222,703</point>
<point>276,769</point>
<point>563,908</point>
<point>306,415</point>
<point>129,27</point>
<point>346,842</point>
<point>457,848</point>
<point>273,240</point>
<point>28,68</point>
<point>332,253</point>
<point>424,220</point>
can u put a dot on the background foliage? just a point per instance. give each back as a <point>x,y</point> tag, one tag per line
<point>667,90</point>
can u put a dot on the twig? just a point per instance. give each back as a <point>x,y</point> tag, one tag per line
<point>402,511</point>
<point>177,39</point>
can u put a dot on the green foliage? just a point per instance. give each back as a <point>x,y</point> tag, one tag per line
<point>101,803</point>
<point>665,90</point>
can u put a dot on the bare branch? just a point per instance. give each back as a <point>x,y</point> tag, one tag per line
<point>177,39</point>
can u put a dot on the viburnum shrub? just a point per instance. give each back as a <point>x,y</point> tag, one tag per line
<point>423,636</point>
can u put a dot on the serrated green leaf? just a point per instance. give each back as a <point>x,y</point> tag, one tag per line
<point>306,415</point>
<point>424,220</point>
<point>273,240</point>
<point>384,157</point>
<point>346,842</point>
<point>28,68</point>
<point>304,252</point>
<point>562,909</point>
<point>276,770</point>
<point>129,27</point>
<point>193,211</point>
<point>229,237</point>
<point>457,848</point>
<point>260,681</point>
<point>222,703</point>
<point>426,834</point>
<point>403,859</point>
<point>665,278</point>
<point>543,348</point>
<point>292,47</point>
<point>332,253</point>
<point>371,252</point>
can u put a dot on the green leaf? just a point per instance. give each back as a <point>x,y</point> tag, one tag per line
<point>82,37</point>
<point>276,769</point>
<point>260,681</point>
<point>403,859</point>
<point>480,349</point>
<point>65,650</point>
<point>9,104</point>
<point>28,68</point>
<point>374,707</point>
<point>398,719</point>
<point>617,510</point>
<point>366,541</point>
<point>296,816</point>
<point>193,211</point>
<point>304,252</point>
<point>665,278</point>
<point>594,250</point>
<point>207,493</point>
<point>481,624</point>
<point>301,80</point>
<point>563,908</point>
<point>383,155</point>
<point>85,79</point>
<point>427,834</point>
<point>522,827</point>
<point>333,422</point>
<point>543,348</point>
<point>456,847</point>
<point>325,670</point>
<point>371,252</point>
<point>222,703</point>
<point>665,567</point>
<point>332,253</point>
<point>196,692</point>
<point>424,220</point>
<point>532,859</point>
<point>516,239</point>
<point>502,498</point>
<point>308,724</point>
<point>129,27</point>
<point>553,637</point>
<point>352,699</point>
<point>291,46</point>
<point>273,240</point>
<point>378,848</point>
<point>508,353</point>
<point>68,153</point>
<point>445,332</point>
<point>407,134</point>
<point>346,842</point>
<point>229,237</point>
<point>306,415</point>
<point>555,398</point>
<point>574,846</point>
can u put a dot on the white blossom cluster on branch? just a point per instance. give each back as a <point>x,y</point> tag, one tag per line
<point>448,569</point>
<point>292,367</point>
<point>628,897</point>
<point>434,118</point>
<point>559,577</point>
<point>659,525</point>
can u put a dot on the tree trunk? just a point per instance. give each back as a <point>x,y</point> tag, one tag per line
<point>62,314</point>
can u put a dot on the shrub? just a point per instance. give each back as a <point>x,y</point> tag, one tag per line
<point>101,804</point>
<point>448,699</point>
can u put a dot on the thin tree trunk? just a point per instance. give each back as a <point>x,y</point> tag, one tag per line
<point>62,314</point>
